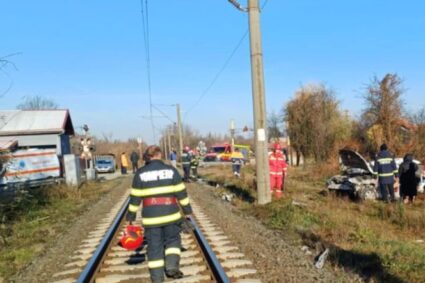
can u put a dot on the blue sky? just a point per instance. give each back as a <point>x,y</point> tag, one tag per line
<point>88,56</point>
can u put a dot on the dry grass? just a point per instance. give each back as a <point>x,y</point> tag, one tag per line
<point>378,241</point>
<point>36,218</point>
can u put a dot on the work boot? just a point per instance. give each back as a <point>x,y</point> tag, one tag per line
<point>278,194</point>
<point>174,274</point>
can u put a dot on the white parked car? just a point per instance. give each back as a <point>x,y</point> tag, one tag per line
<point>357,179</point>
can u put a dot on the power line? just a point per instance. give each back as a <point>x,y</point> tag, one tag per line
<point>163,113</point>
<point>146,35</point>
<point>224,66</point>
<point>217,75</point>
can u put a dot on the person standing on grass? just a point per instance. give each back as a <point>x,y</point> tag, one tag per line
<point>134,157</point>
<point>194,163</point>
<point>124,163</point>
<point>278,169</point>
<point>164,197</point>
<point>386,170</point>
<point>409,180</point>
<point>237,161</point>
<point>186,159</point>
<point>173,157</point>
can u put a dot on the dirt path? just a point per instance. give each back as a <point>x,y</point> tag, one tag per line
<point>52,260</point>
<point>276,259</point>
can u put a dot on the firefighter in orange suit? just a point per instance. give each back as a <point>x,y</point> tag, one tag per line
<point>278,169</point>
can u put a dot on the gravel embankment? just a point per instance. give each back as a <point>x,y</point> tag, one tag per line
<point>275,258</point>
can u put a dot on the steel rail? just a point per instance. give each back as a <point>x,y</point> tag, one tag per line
<point>89,273</point>
<point>93,266</point>
<point>219,274</point>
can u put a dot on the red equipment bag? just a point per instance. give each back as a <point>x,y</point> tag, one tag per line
<point>132,238</point>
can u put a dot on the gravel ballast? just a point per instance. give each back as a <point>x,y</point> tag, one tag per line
<point>276,258</point>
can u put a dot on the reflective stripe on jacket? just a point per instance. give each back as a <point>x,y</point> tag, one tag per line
<point>186,158</point>
<point>385,167</point>
<point>194,162</point>
<point>277,163</point>
<point>237,157</point>
<point>157,179</point>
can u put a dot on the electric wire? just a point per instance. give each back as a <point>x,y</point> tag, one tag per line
<point>222,69</point>
<point>164,115</point>
<point>146,36</point>
<point>217,75</point>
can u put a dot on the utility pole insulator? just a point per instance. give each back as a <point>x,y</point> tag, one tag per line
<point>238,6</point>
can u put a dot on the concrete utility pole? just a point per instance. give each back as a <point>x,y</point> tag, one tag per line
<point>168,141</point>
<point>258,95</point>
<point>164,142</point>
<point>232,134</point>
<point>139,143</point>
<point>179,130</point>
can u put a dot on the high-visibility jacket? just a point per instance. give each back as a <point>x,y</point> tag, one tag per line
<point>186,158</point>
<point>156,180</point>
<point>385,167</point>
<point>237,157</point>
<point>277,163</point>
<point>194,162</point>
<point>124,160</point>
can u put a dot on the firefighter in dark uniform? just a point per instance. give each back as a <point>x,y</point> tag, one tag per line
<point>163,194</point>
<point>186,159</point>
<point>386,170</point>
<point>194,163</point>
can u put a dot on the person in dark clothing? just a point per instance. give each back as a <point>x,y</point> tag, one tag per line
<point>186,159</point>
<point>285,152</point>
<point>173,157</point>
<point>134,158</point>
<point>409,181</point>
<point>194,163</point>
<point>159,186</point>
<point>386,170</point>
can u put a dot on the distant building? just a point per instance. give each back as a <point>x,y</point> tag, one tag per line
<point>37,129</point>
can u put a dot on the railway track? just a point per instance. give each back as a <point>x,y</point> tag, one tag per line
<point>208,255</point>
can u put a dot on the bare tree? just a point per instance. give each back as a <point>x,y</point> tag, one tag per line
<point>108,137</point>
<point>4,63</point>
<point>274,125</point>
<point>37,103</point>
<point>383,110</point>
<point>315,122</point>
<point>418,119</point>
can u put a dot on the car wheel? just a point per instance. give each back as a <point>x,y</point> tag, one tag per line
<point>367,193</point>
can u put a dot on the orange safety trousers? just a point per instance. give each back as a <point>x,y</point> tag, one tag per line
<point>276,182</point>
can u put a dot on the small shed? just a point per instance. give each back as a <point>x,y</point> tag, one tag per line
<point>38,129</point>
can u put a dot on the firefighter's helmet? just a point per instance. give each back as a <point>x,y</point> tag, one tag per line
<point>132,238</point>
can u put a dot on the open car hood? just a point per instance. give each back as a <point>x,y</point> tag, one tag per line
<point>354,160</point>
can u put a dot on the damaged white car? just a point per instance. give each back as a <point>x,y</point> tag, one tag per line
<point>357,179</point>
